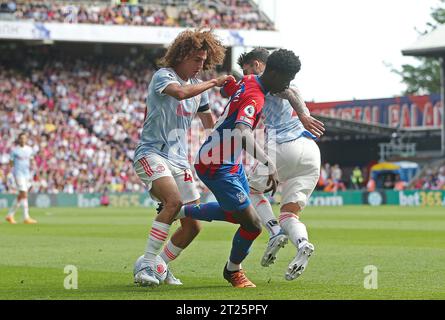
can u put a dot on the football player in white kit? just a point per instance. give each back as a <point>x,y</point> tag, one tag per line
<point>298,165</point>
<point>175,97</point>
<point>21,158</point>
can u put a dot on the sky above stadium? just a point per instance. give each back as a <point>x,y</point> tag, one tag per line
<point>344,44</point>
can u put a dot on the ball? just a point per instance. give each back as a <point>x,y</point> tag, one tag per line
<point>159,268</point>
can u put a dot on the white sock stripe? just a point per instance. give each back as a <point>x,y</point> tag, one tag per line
<point>155,237</point>
<point>286,216</point>
<point>174,249</point>
<point>161,226</point>
<point>170,255</point>
<point>161,232</point>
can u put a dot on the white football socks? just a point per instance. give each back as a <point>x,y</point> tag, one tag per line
<point>25,208</point>
<point>15,205</point>
<point>233,266</point>
<point>170,252</point>
<point>158,235</point>
<point>264,210</point>
<point>294,228</point>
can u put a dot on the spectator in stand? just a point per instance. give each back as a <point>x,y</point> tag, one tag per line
<point>82,116</point>
<point>336,175</point>
<point>324,176</point>
<point>441,178</point>
<point>233,15</point>
<point>399,184</point>
<point>371,185</point>
<point>357,178</point>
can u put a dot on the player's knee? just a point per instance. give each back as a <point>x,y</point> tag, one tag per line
<point>291,207</point>
<point>173,205</point>
<point>257,226</point>
<point>253,226</point>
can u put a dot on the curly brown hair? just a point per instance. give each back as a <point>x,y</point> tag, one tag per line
<point>190,41</point>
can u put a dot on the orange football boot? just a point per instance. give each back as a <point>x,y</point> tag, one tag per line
<point>11,219</point>
<point>237,279</point>
<point>29,221</point>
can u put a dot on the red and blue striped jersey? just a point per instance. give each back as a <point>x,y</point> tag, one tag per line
<point>220,153</point>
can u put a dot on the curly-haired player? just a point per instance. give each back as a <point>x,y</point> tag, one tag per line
<point>175,96</point>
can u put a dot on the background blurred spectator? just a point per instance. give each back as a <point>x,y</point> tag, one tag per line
<point>83,116</point>
<point>357,178</point>
<point>239,14</point>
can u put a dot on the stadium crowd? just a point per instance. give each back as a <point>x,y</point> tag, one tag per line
<point>229,14</point>
<point>434,179</point>
<point>83,119</point>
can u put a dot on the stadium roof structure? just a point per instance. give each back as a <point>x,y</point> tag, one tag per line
<point>433,45</point>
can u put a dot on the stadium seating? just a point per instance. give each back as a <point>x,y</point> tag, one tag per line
<point>226,14</point>
<point>84,116</point>
<point>94,108</point>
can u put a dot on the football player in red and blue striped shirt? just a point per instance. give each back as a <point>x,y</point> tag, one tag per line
<point>219,164</point>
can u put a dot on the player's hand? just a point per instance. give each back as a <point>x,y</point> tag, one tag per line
<point>312,125</point>
<point>221,80</point>
<point>272,181</point>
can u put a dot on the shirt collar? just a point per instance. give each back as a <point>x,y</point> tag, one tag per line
<point>257,78</point>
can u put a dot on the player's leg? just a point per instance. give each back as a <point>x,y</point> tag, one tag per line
<point>15,205</point>
<point>233,206</point>
<point>26,218</point>
<point>189,228</point>
<point>162,186</point>
<point>180,240</point>
<point>296,192</point>
<point>277,239</point>
<point>297,233</point>
<point>237,200</point>
<point>211,211</point>
<point>258,184</point>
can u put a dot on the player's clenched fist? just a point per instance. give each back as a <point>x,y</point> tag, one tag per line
<point>221,80</point>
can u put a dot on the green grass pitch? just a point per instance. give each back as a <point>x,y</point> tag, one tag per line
<point>407,245</point>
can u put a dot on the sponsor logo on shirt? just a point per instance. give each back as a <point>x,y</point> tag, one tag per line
<point>182,111</point>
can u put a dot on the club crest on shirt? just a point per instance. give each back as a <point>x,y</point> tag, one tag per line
<point>241,197</point>
<point>160,168</point>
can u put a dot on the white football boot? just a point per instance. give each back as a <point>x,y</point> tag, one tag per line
<point>275,243</point>
<point>299,263</point>
<point>145,276</point>
<point>171,279</point>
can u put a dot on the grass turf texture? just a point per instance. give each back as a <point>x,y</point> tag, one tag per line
<point>407,245</point>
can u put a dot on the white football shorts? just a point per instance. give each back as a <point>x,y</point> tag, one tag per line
<point>153,167</point>
<point>23,183</point>
<point>298,166</point>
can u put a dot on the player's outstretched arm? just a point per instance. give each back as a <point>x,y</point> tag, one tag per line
<point>191,90</point>
<point>311,124</point>
<point>243,133</point>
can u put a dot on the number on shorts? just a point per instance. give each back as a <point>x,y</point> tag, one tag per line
<point>187,177</point>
